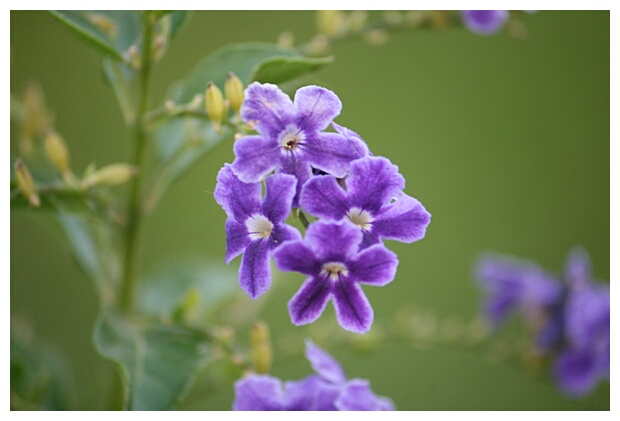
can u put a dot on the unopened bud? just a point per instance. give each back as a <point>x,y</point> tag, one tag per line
<point>104,23</point>
<point>376,36</point>
<point>234,91</point>
<point>260,353</point>
<point>110,175</point>
<point>393,17</point>
<point>57,152</point>
<point>330,22</point>
<point>357,20</point>
<point>214,104</point>
<point>26,184</point>
<point>286,39</point>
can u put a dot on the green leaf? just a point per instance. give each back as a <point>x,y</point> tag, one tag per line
<point>159,362</point>
<point>238,58</point>
<point>281,69</point>
<point>179,19</point>
<point>89,33</point>
<point>163,292</point>
<point>41,377</point>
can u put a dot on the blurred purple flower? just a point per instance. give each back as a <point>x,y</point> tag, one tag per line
<point>255,226</point>
<point>514,285</point>
<point>484,22</point>
<point>291,137</point>
<point>327,390</point>
<point>372,200</point>
<point>330,255</point>
<point>585,358</point>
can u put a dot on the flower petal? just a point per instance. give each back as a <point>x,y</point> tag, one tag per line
<point>296,165</point>
<point>373,182</point>
<point>258,393</point>
<point>404,220</point>
<point>577,269</point>
<point>330,152</point>
<point>239,199</point>
<point>255,158</point>
<point>333,241</point>
<point>282,233</point>
<point>357,396</point>
<point>353,310</point>
<point>296,257</point>
<point>576,372</point>
<point>322,197</point>
<point>484,22</point>
<point>310,301</point>
<point>279,193</point>
<point>237,239</point>
<point>310,394</point>
<point>316,107</point>
<point>375,265</point>
<point>255,272</point>
<point>358,143</point>
<point>324,364</point>
<point>267,107</point>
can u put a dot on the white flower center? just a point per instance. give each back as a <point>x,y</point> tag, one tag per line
<point>334,270</point>
<point>291,137</point>
<point>361,218</point>
<point>258,226</point>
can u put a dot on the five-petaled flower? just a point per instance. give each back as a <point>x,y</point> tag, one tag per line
<point>327,390</point>
<point>330,255</point>
<point>255,227</point>
<point>291,137</point>
<point>373,201</point>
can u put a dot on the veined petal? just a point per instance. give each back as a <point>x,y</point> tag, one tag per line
<point>310,394</point>
<point>279,193</point>
<point>267,107</point>
<point>333,241</point>
<point>255,158</point>
<point>255,272</point>
<point>295,256</point>
<point>358,143</point>
<point>330,152</point>
<point>357,396</point>
<point>375,265</point>
<point>237,239</point>
<point>324,198</point>
<point>239,199</point>
<point>404,220</point>
<point>310,301</point>
<point>283,233</point>
<point>258,393</point>
<point>353,310</point>
<point>316,107</point>
<point>324,364</point>
<point>296,165</point>
<point>373,182</point>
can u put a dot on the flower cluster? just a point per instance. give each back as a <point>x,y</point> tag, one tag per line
<point>332,176</point>
<point>570,316</point>
<point>327,390</point>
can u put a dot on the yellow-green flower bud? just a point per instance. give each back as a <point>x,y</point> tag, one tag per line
<point>260,351</point>
<point>56,151</point>
<point>234,91</point>
<point>26,184</point>
<point>214,104</point>
<point>110,175</point>
<point>330,22</point>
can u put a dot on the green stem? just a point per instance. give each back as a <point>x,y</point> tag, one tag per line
<point>134,217</point>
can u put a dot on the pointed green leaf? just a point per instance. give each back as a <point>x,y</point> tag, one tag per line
<point>281,69</point>
<point>89,33</point>
<point>179,19</point>
<point>238,58</point>
<point>159,362</point>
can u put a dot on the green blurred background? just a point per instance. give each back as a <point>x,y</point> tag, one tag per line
<point>505,141</point>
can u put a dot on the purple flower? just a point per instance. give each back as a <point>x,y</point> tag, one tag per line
<point>484,22</point>
<point>512,284</point>
<point>330,255</point>
<point>290,136</point>
<point>327,390</point>
<point>585,358</point>
<point>255,227</point>
<point>372,200</point>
